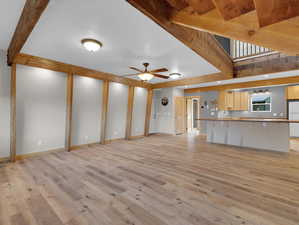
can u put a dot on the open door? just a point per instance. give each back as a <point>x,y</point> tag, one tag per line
<point>193,113</point>
<point>180,115</point>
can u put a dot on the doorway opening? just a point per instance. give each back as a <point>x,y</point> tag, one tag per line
<point>193,113</point>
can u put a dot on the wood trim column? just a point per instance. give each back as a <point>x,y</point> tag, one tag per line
<point>13,112</point>
<point>105,104</point>
<point>148,111</point>
<point>130,112</point>
<point>69,112</point>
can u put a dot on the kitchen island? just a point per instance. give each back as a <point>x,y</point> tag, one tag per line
<point>264,134</point>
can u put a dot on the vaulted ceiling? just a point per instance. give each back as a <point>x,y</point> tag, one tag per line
<point>176,34</point>
<point>129,38</point>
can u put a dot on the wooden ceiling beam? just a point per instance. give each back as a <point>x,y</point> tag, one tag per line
<point>178,4</point>
<point>282,36</point>
<point>32,11</point>
<point>202,43</point>
<point>193,80</point>
<point>267,64</point>
<point>201,6</point>
<point>272,63</point>
<point>273,11</point>
<point>34,61</point>
<point>249,84</point>
<point>230,9</point>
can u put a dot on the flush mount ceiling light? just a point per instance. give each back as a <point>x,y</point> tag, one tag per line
<point>146,76</point>
<point>175,75</point>
<point>91,45</point>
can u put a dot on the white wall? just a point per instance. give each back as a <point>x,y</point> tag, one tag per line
<point>87,109</point>
<point>163,117</point>
<point>117,111</point>
<point>4,106</point>
<point>41,109</point>
<point>166,113</point>
<point>139,111</point>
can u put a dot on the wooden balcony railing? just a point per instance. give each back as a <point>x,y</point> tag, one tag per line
<point>240,49</point>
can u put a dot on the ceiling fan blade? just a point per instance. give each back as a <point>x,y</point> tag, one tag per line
<point>160,76</point>
<point>159,70</point>
<point>135,74</point>
<point>134,68</point>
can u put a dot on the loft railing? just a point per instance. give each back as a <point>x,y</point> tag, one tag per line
<point>240,49</point>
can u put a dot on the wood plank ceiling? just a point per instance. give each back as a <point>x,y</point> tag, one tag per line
<point>272,24</point>
<point>274,11</point>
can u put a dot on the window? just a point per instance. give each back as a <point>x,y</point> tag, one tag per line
<point>261,103</point>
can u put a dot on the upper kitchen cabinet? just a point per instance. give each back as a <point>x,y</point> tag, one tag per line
<point>292,92</point>
<point>233,101</point>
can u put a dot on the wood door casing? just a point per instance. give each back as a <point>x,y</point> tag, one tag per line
<point>189,114</point>
<point>180,115</point>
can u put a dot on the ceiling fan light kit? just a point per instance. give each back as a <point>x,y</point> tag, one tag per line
<point>147,75</point>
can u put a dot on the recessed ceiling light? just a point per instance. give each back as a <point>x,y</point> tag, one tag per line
<point>175,75</point>
<point>219,82</point>
<point>266,75</point>
<point>91,45</point>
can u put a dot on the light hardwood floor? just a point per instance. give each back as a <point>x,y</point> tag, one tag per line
<point>157,180</point>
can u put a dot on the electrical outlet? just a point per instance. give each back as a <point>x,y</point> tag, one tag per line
<point>39,143</point>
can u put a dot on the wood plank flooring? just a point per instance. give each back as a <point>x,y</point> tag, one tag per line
<point>157,180</point>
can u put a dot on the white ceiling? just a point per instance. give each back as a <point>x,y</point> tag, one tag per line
<point>245,79</point>
<point>10,12</point>
<point>129,39</point>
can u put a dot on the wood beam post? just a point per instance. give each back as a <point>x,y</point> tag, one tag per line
<point>148,112</point>
<point>130,112</point>
<point>248,84</point>
<point>69,112</point>
<point>193,80</point>
<point>34,61</point>
<point>105,104</point>
<point>32,11</point>
<point>13,112</point>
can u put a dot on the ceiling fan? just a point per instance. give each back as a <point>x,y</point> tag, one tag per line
<point>147,75</point>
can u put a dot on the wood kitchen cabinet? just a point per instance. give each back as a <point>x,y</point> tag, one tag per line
<point>221,101</point>
<point>237,101</point>
<point>292,92</point>
<point>233,101</point>
<point>229,100</point>
<point>244,101</point>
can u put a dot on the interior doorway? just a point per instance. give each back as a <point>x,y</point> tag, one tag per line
<point>193,113</point>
